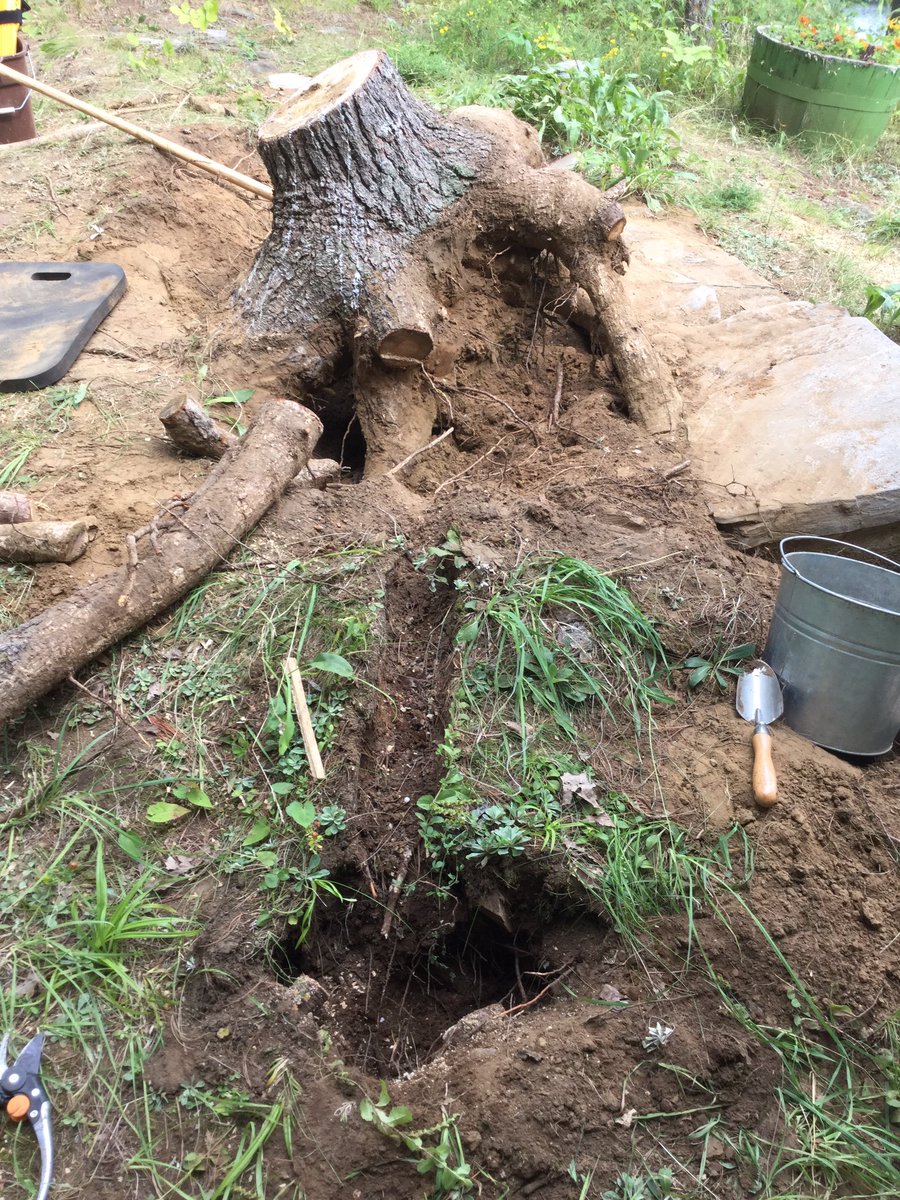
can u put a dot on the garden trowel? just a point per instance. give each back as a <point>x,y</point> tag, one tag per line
<point>759,700</point>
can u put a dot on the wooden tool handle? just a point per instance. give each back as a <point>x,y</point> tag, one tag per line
<point>765,785</point>
<point>136,131</point>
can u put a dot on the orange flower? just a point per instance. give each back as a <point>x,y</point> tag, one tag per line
<point>804,20</point>
<point>838,37</point>
<point>897,43</point>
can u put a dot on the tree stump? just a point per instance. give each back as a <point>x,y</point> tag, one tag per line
<point>376,197</point>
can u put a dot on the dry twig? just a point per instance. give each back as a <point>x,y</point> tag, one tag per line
<point>415,454</point>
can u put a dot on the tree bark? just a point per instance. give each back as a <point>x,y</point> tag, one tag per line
<point>45,541</point>
<point>14,507</point>
<point>697,17</point>
<point>194,431</point>
<point>42,652</point>
<point>374,195</point>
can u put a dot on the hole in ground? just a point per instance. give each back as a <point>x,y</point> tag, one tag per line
<point>391,1005</point>
<point>342,436</point>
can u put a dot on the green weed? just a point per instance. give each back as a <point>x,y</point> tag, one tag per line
<point>883,305</point>
<point>723,663</point>
<point>437,1150</point>
<point>624,132</point>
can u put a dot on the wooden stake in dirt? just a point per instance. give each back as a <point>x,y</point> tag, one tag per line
<point>365,248</point>
<point>42,652</point>
<point>301,708</point>
<point>14,507</point>
<point>194,431</point>
<point>45,541</point>
<point>143,135</point>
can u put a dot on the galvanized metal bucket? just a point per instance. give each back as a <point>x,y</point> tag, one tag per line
<point>834,643</point>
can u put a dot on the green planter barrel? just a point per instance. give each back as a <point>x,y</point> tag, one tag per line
<point>801,91</point>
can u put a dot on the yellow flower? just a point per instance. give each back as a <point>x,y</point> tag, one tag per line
<point>443,29</point>
<point>470,13</point>
<point>664,53</point>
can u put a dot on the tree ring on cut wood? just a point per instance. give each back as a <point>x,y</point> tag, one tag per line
<point>320,95</point>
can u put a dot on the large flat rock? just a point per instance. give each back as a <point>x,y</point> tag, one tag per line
<point>792,409</point>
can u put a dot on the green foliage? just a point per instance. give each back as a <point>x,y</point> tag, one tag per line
<point>736,196</point>
<point>198,17</point>
<point>883,305</point>
<point>624,132</point>
<point>721,664</point>
<point>655,1185</point>
<point>820,34</point>
<point>560,633</point>
<point>885,228</point>
<point>438,1150</point>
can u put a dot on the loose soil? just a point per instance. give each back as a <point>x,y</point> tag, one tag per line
<point>433,1007</point>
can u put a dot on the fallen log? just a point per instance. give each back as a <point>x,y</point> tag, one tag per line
<point>14,507</point>
<point>194,431</point>
<point>42,652</point>
<point>45,541</point>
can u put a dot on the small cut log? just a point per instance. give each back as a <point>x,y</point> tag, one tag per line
<point>14,507</point>
<point>56,643</point>
<point>194,431</point>
<point>45,541</point>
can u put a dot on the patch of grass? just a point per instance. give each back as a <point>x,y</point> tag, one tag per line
<point>885,228</point>
<point>736,196</point>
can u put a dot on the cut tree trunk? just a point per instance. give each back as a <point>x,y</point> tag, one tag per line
<point>14,507</point>
<point>42,652</point>
<point>45,541</point>
<point>376,197</point>
<point>194,431</point>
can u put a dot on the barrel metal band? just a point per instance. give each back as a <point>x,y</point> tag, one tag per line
<point>795,91</point>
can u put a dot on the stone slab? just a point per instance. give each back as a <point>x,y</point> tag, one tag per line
<point>792,409</point>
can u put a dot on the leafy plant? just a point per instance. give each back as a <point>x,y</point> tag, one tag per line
<point>199,17</point>
<point>655,1185</point>
<point>624,132</point>
<point>437,1150</point>
<point>719,667</point>
<point>885,227</point>
<point>332,820</point>
<point>883,305</point>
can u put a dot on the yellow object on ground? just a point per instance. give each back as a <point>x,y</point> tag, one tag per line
<point>9,32</point>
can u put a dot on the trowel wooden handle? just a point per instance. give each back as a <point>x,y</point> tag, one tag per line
<point>765,785</point>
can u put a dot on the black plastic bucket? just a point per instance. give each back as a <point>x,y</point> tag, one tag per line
<point>16,117</point>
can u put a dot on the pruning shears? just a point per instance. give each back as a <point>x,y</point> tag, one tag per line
<point>24,1099</point>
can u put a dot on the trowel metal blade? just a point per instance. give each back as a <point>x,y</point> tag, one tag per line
<point>759,694</point>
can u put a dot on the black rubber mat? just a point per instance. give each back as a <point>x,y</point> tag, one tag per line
<point>47,313</point>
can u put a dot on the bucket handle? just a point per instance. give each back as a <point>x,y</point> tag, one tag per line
<point>9,112</point>
<point>861,551</point>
